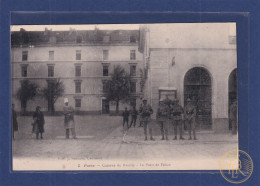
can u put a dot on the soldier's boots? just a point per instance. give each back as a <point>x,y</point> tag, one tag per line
<point>166,138</point>
<point>151,138</point>
<point>182,138</point>
<point>145,139</point>
<point>175,138</point>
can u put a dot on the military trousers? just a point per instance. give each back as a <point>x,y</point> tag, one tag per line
<point>177,125</point>
<point>164,126</point>
<point>191,124</point>
<point>125,121</point>
<point>133,120</point>
<point>73,133</point>
<point>147,124</point>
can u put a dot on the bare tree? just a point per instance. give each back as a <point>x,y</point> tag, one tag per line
<point>26,92</point>
<point>118,86</point>
<point>52,92</point>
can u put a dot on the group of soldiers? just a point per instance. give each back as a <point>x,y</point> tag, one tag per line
<point>170,112</point>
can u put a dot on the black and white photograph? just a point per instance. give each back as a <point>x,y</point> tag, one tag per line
<point>103,97</point>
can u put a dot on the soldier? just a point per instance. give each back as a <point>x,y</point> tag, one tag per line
<point>134,114</point>
<point>167,101</point>
<point>69,123</point>
<point>145,117</point>
<point>14,120</point>
<point>162,117</point>
<point>190,117</point>
<point>39,121</point>
<point>125,118</point>
<point>233,117</point>
<point>177,117</point>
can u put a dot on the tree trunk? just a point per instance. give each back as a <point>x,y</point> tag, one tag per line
<point>117,106</point>
<point>23,106</point>
<point>52,108</point>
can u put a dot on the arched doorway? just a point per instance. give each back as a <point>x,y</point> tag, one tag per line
<point>197,87</point>
<point>232,91</point>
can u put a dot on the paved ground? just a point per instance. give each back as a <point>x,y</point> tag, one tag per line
<point>100,137</point>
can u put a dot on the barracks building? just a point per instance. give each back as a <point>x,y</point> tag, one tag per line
<point>81,59</point>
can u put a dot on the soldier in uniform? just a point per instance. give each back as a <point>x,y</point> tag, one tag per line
<point>14,120</point>
<point>145,117</point>
<point>167,101</point>
<point>190,117</point>
<point>162,117</point>
<point>69,123</point>
<point>177,118</point>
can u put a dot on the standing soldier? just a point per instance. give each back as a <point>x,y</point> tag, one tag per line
<point>190,117</point>
<point>177,117</point>
<point>134,114</point>
<point>162,117</point>
<point>233,117</point>
<point>39,121</point>
<point>125,118</point>
<point>145,117</point>
<point>140,121</point>
<point>14,120</point>
<point>69,123</point>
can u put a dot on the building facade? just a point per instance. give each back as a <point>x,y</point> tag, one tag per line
<point>82,60</point>
<point>199,61</point>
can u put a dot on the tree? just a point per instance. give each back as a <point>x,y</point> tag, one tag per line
<point>26,92</point>
<point>118,86</point>
<point>52,92</point>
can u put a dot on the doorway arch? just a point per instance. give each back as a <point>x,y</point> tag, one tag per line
<point>198,88</point>
<point>232,92</point>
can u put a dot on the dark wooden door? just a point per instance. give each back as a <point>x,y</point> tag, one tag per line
<point>197,87</point>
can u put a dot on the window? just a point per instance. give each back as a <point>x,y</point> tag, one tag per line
<point>132,55</point>
<point>77,70</point>
<point>105,70</point>
<point>51,55</point>
<point>50,70</point>
<point>106,38</point>
<point>79,39</point>
<point>78,54</point>
<point>105,54</point>
<point>77,103</point>
<point>105,86</point>
<point>132,39</point>
<point>24,70</point>
<point>133,70</point>
<point>78,86</point>
<point>132,87</point>
<point>25,56</point>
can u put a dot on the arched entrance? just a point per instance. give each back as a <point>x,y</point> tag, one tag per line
<point>197,87</point>
<point>232,91</point>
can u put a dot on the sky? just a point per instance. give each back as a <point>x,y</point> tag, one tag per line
<point>77,27</point>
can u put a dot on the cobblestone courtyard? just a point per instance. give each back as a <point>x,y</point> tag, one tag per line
<point>100,137</point>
